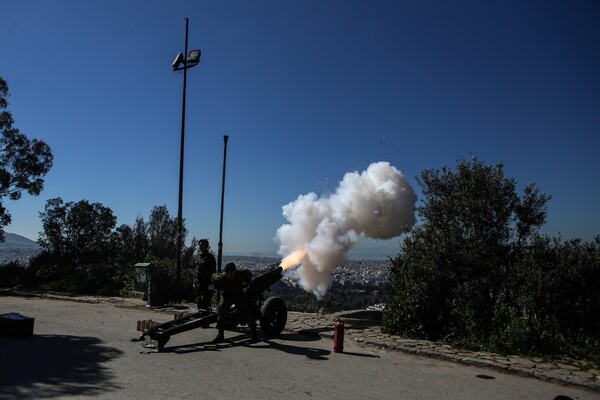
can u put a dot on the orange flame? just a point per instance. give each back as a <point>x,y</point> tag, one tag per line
<point>292,260</point>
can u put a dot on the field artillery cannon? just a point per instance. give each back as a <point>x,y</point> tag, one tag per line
<point>270,312</point>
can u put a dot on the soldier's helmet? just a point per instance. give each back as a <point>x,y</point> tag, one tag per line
<point>230,267</point>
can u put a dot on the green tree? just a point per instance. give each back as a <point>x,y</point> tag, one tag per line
<point>23,161</point>
<point>123,245</point>
<point>77,233</point>
<point>162,233</point>
<point>131,245</point>
<point>83,252</point>
<point>463,258</point>
<point>156,241</point>
<point>141,242</point>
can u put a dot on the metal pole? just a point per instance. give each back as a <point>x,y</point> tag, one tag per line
<point>181,153</point>
<point>220,252</point>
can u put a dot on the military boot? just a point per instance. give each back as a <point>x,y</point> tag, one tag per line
<point>254,336</point>
<point>220,337</point>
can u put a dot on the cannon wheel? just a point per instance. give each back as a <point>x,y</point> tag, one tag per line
<point>273,316</point>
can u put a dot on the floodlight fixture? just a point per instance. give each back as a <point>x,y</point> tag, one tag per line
<point>193,58</point>
<point>178,61</point>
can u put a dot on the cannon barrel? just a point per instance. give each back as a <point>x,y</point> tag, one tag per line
<point>263,282</point>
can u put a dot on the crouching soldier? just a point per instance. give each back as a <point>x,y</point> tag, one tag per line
<point>232,283</point>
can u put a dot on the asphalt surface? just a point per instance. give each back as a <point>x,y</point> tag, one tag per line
<point>82,350</point>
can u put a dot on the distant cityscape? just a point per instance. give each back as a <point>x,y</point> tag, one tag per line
<point>354,272</point>
<point>356,284</point>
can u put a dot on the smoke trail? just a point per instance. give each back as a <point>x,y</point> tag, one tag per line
<point>378,203</point>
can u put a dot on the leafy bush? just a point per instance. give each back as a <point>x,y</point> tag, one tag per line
<point>475,272</point>
<point>165,275</point>
<point>14,274</point>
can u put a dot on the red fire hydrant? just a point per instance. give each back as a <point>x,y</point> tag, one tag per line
<point>338,336</point>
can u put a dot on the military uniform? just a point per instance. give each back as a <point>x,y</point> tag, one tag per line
<point>207,266</point>
<point>232,292</point>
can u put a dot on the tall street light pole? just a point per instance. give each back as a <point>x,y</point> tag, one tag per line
<point>183,62</point>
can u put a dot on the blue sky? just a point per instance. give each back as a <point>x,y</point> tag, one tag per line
<point>307,91</point>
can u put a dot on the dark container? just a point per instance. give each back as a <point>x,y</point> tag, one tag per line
<point>16,325</point>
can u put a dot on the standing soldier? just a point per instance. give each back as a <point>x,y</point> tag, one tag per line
<point>207,266</point>
<point>232,284</point>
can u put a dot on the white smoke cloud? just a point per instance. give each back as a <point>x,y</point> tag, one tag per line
<point>378,203</point>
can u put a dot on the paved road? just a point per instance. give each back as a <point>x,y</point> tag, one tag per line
<point>82,351</point>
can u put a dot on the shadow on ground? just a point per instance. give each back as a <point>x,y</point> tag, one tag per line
<point>47,366</point>
<point>242,339</point>
<point>309,352</point>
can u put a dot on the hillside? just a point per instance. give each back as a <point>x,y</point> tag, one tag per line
<point>17,248</point>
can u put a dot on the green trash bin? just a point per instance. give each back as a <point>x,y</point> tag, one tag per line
<point>146,276</point>
<point>140,279</point>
